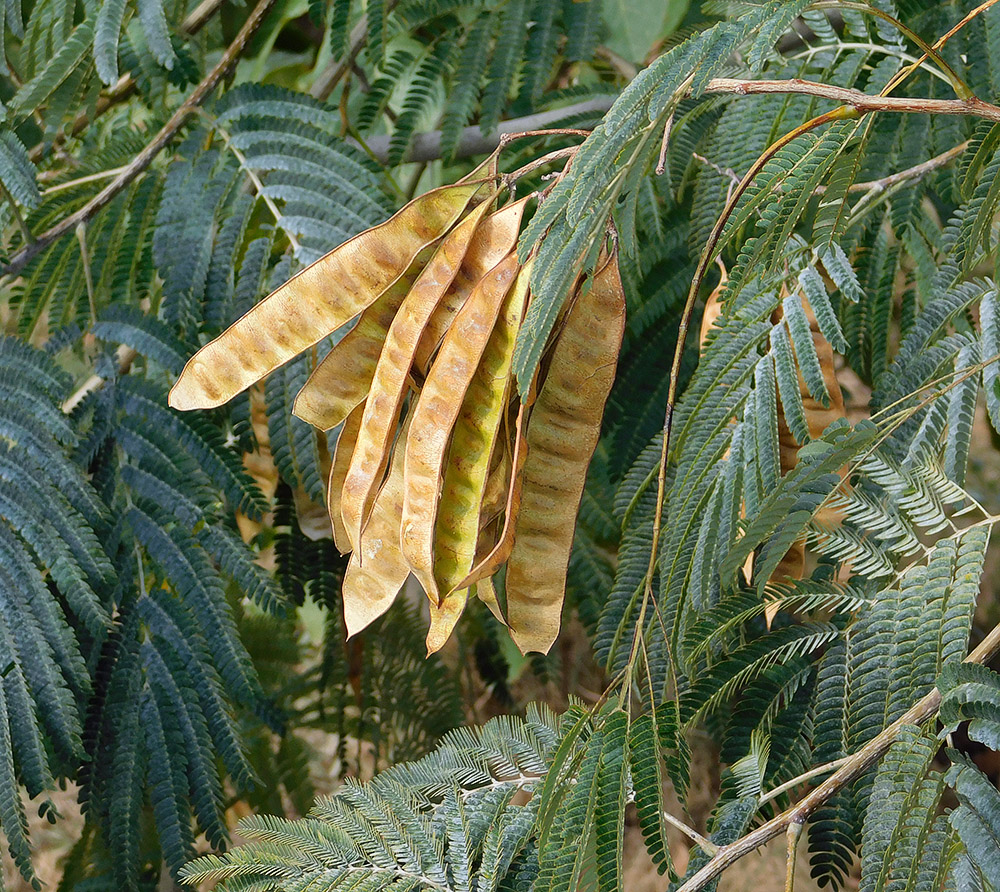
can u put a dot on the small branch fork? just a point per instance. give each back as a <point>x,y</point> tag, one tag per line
<point>853,767</point>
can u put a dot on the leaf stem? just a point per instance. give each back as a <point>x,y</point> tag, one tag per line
<point>704,844</point>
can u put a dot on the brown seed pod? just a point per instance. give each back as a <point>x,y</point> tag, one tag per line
<point>492,560</point>
<point>463,257</point>
<point>343,378</point>
<point>474,436</point>
<point>562,433</point>
<point>377,569</point>
<point>338,470</point>
<point>317,301</point>
<point>437,410</point>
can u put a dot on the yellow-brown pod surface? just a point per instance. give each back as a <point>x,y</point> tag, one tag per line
<point>464,256</point>
<point>343,377</point>
<point>317,301</point>
<point>563,430</point>
<point>474,437</point>
<point>338,470</point>
<point>377,569</point>
<point>437,410</point>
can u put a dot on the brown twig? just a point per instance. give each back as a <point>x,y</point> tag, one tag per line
<point>126,86</point>
<point>141,161</point>
<point>862,103</point>
<point>910,173</point>
<point>472,140</point>
<point>854,767</point>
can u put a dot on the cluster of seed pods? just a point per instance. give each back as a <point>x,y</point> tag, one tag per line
<point>441,469</point>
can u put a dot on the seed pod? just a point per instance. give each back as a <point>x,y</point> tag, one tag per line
<point>343,378</point>
<point>377,569</point>
<point>451,274</point>
<point>487,593</point>
<point>317,301</point>
<point>494,240</point>
<point>562,433</point>
<point>338,470</point>
<point>473,438</point>
<point>437,410</point>
<point>487,564</point>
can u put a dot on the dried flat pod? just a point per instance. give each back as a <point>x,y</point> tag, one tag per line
<point>377,569</point>
<point>474,437</point>
<point>487,564</point>
<point>437,410</point>
<point>473,248</point>
<point>318,300</point>
<point>562,433</point>
<point>338,470</point>
<point>343,377</point>
<point>493,241</point>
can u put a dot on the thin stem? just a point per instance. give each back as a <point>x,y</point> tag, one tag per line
<point>556,155</point>
<point>80,181</point>
<point>18,216</point>
<point>704,844</point>
<point>257,184</point>
<point>793,834</point>
<point>472,141</point>
<point>81,236</point>
<point>922,711</point>
<point>909,173</point>
<point>661,161</point>
<point>802,778</point>
<point>960,87</point>
<point>125,355</point>
<point>861,102</point>
<point>145,157</point>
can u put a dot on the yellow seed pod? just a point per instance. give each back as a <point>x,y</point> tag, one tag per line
<point>437,410</point>
<point>377,569</point>
<point>493,241</point>
<point>343,377</point>
<point>338,470</point>
<point>492,559</point>
<point>317,301</point>
<point>463,258</point>
<point>473,439</point>
<point>562,433</point>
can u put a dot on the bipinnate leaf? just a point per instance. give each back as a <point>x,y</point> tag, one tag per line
<point>562,433</point>
<point>317,301</point>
